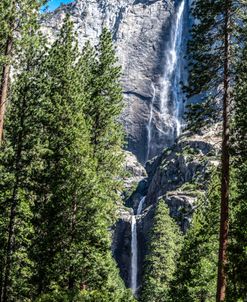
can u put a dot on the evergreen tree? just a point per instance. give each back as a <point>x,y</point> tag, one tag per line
<point>237,266</point>
<point>19,154</point>
<point>238,231</point>
<point>64,163</point>
<point>104,104</point>
<point>212,36</point>
<point>74,207</point>
<point>195,278</point>
<point>100,77</point>
<point>60,168</point>
<point>207,44</point>
<point>160,263</point>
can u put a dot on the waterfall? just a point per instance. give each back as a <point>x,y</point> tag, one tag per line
<point>134,247</point>
<point>149,125</point>
<point>140,206</point>
<point>164,125</point>
<point>170,84</point>
<point>178,72</point>
<point>133,255</point>
<point>171,91</point>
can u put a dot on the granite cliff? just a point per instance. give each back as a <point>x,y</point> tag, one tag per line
<point>142,31</point>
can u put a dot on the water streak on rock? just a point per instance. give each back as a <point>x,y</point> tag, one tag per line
<point>149,125</point>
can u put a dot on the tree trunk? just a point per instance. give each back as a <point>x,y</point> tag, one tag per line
<point>71,281</point>
<point>5,84</point>
<point>224,216</point>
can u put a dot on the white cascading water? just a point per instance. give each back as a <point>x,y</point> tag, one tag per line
<point>134,247</point>
<point>171,91</point>
<point>133,255</point>
<point>149,125</point>
<point>140,206</point>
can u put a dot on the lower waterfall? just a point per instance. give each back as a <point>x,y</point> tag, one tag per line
<point>134,247</point>
<point>134,251</point>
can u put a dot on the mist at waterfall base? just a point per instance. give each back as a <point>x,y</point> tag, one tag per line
<point>165,123</point>
<point>170,115</point>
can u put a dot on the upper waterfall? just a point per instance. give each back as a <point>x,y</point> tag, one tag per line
<point>171,97</point>
<point>171,90</point>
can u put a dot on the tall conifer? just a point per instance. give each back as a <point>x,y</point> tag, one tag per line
<point>74,209</point>
<point>65,167</point>
<point>211,76</point>
<point>196,273</point>
<point>18,156</point>
<point>160,263</point>
<point>238,230</point>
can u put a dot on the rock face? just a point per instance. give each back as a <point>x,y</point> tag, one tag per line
<point>135,172</point>
<point>140,30</point>
<point>121,244</point>
<point>179,176</point>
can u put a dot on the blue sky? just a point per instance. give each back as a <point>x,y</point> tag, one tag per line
<point>53,4</point>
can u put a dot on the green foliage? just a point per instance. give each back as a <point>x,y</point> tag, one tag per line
<point>199,115</point>
<point>19,154</point>
<point>64,173</point>
<point>83,296</point>
<point>240,121</point>
<point>237,268</point>
<point>18,19</point>
<point>206,58</point>
<point>100,76</point>
<point>74,208</point>
<point>160,263</point>
<point>237,256</point>
<point>195,278</point>
<point>104,102</point>
<point>60,167</point>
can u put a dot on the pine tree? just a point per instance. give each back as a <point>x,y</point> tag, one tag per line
<point>195,277</point>
<point>100,77</point>
<point>60,183</point>
<point>163,251</point>
<point>213,33</point>
<point>237,266</point>
<point>18,156</point>
<point>238,234</point>
<point>65,175</point>
<point>101,82</point>
<point>105,105</point>
<point>74,209</point>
